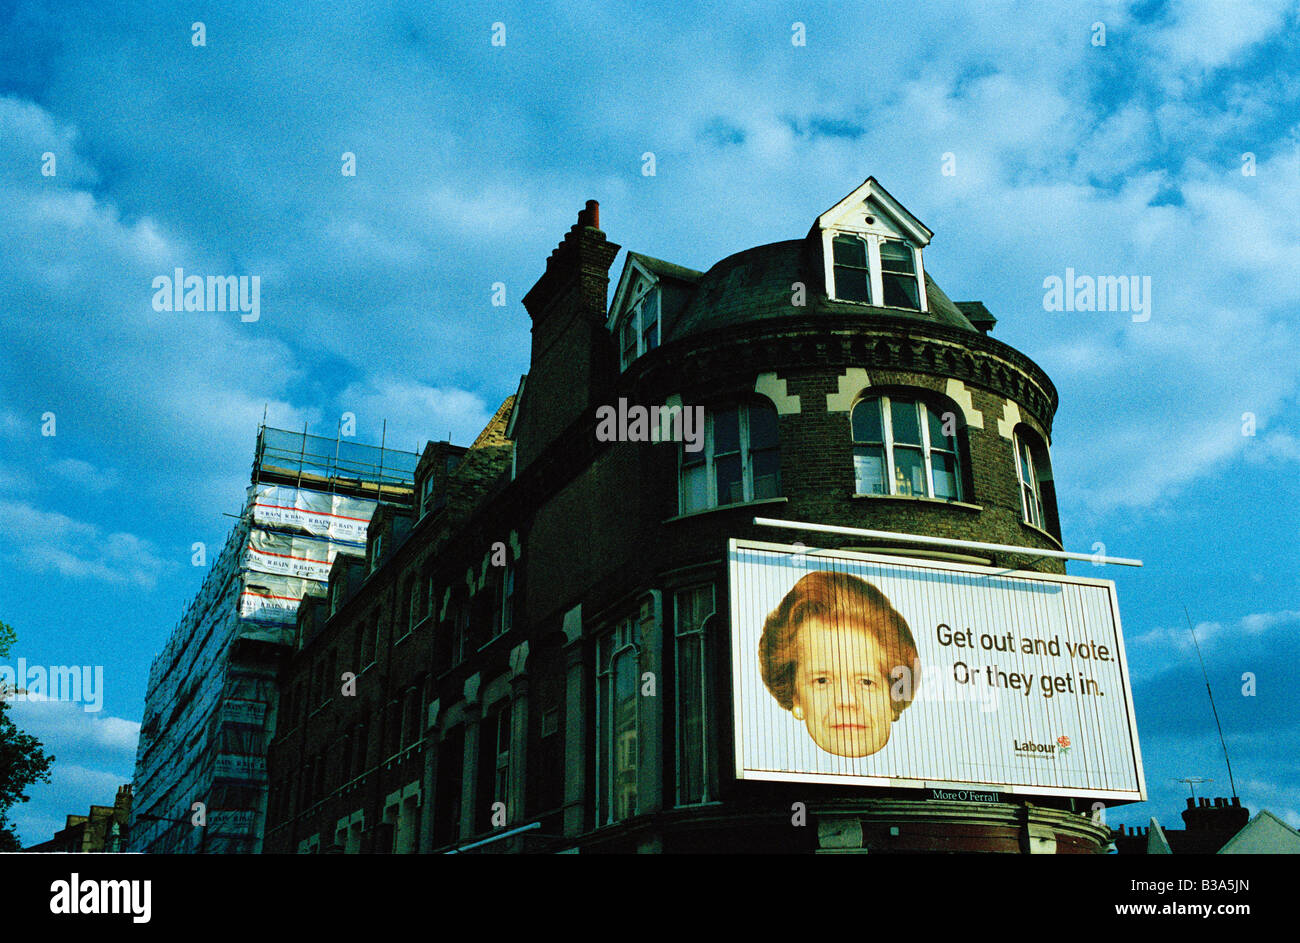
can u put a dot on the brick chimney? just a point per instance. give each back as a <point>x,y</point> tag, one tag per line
<point>1225,816</point>
<point>574,363</point>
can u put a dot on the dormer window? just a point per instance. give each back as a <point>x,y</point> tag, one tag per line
<point>868,267</point>
<point>898,275</point>
<point>871,248</point>
<point>639,333</point>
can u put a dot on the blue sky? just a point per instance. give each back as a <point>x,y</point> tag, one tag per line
<point>472,161</point>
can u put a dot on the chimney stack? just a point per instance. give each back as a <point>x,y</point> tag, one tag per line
<point>574,363</point>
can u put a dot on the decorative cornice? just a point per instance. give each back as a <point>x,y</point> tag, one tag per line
<point>834,341</point>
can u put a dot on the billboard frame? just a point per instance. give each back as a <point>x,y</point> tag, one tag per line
<point>735,544</point>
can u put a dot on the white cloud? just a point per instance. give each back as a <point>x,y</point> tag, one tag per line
<point>85,475</point>
<point>1201,36</point>
<point>93,755</point>
<point>52,542</point>
<point>415,413</point>
<point>66,729</point>
<point>1210,635</point>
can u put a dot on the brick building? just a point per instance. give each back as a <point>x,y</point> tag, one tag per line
<point>477,681</point>
<point>104,830</point>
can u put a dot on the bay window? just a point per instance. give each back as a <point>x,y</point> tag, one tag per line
<point>902,446</point>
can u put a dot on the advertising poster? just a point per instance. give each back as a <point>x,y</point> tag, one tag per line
<point>888,671</point>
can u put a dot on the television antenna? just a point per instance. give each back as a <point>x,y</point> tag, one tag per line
<point>1192,781</point>
<point>1204,674</point>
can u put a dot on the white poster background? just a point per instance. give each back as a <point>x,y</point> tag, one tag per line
<point>953,733</point>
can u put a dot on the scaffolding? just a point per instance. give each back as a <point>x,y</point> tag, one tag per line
<point>210,707</point>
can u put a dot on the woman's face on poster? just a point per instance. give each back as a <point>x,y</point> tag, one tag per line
<point>842,687</point>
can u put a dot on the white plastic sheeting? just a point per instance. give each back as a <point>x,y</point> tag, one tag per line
<point>208,717</point>
<point>294,555</point>
<point>338,517</point>
<point>267,598</point>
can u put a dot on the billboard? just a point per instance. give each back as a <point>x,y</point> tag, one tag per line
<point>872,670</point>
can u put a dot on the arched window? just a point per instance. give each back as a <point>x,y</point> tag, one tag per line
<point>1034,474</point>
<point>905,446</point>
<point>740,460</point>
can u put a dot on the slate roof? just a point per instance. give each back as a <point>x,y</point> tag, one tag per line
<point>754,285</point>
<point>666,269</point>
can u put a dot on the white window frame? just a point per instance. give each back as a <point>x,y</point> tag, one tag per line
<point>872,240</point>
<point>640,324</point>
<point>887,430</point>
<point>1034,516</point>
<point>711,478</point>
<point>702,689</point>
<point>879,273</point>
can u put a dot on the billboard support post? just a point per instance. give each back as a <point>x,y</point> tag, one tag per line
<point>942,541</point>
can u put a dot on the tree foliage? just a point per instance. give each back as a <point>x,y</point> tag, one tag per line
<point>23,761</point>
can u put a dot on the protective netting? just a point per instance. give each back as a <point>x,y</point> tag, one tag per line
<point>209,710</point>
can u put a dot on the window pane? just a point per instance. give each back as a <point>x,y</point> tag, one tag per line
<point>943,468</point>
<point>869,469</point>
<point>907,428</point>
<point>852,284</point>
<point>726,431</point>
<point>650,321</point>
<point>762,428</point>
<point>897,257</point>
<point>937,439</point>
<point>767,473</point>
<point>866,422</point>
<point>624,728</point>
<point>852,278</point>
<point>901,292</point>
<point>691,719</point>
<point>730,487</point>
<point>695,488</point>
<point>909,471</point>
<point>850,251</point>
